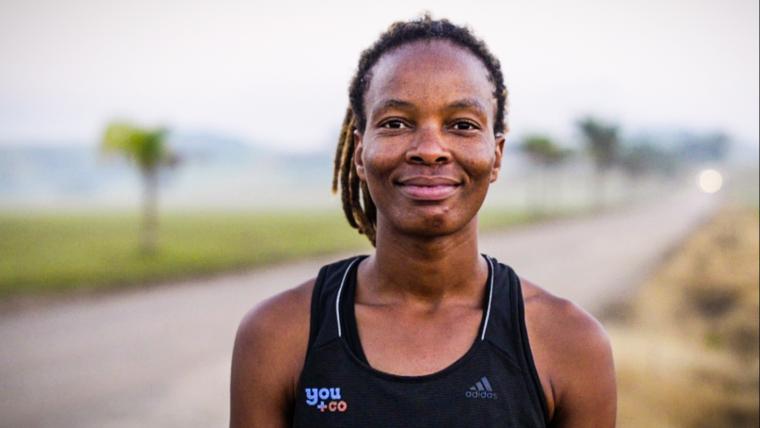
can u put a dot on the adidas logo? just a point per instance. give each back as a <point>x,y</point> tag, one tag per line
<point>481,389</point>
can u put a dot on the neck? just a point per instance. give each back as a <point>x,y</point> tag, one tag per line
<point>424,269</point>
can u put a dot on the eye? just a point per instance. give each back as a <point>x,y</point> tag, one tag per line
<point>464,125</point>
<point>394,124</point>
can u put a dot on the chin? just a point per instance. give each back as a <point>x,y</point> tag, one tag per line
<point>431,225</point>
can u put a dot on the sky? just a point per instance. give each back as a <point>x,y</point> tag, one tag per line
<point>276,73</point>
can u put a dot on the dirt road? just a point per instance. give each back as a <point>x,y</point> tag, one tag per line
<point>160,357</point>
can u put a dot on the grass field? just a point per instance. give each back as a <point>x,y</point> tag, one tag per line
<point>46,253</point>
<point>686,348</point>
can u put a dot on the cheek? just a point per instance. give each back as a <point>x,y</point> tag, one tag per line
<point>477,163</point>
<point>378,161</point>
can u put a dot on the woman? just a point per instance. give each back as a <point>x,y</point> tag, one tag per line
<point>424,332</point>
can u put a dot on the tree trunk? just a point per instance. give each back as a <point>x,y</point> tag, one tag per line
<point>600,188</point>
<point>543,189</point>
<point>149,224</point>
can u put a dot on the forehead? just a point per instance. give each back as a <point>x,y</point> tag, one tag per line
<point>429,69</point>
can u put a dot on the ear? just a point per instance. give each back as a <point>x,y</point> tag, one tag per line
<point>498,153</point>
<point>358,150</point>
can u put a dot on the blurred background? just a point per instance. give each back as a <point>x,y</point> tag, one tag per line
<point>164,166</point>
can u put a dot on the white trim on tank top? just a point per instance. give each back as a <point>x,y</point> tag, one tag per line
<point>337,301</point>
<point>492,273</point>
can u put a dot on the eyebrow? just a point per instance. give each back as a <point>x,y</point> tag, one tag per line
<point>392,103</point>
<point>468,103</point>
<point>462,104</point>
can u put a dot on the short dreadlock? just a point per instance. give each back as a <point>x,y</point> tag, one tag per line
<point>358,206</point>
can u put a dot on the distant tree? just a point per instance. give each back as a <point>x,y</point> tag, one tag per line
<point>147,149</point>
<point>710,147</point>
<point>643,157</point>
<point>603,143</point>
<point>542,151</point>
<point>638,159</point>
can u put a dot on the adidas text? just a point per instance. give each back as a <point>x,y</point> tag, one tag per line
<point>481,389</point>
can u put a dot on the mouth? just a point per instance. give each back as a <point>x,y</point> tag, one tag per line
<point>427,188</point>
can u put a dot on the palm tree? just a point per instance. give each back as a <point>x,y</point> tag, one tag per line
<point>542,151</point>
<point>603,144</point>
<point>147,149</point>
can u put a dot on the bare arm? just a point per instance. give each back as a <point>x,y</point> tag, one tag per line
<point>267,359</point>
<point>574,360</point>
<point>586,388</point>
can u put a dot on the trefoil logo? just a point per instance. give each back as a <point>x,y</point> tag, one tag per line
<point>481,389</point>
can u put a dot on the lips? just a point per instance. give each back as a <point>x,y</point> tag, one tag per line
<point>428,188</point>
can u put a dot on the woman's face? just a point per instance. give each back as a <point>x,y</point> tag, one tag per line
<point>428,152</point>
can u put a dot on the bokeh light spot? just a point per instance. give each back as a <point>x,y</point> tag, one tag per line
<point>709,181</point>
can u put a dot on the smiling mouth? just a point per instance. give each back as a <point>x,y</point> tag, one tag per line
<point>428,188</point>
<point>428,193</point>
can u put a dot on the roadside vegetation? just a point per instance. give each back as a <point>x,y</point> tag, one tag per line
<point>686,347</point>
<point>48,253</point>
<point>148,151</point>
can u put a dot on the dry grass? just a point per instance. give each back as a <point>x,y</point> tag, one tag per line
<point>687,351</point>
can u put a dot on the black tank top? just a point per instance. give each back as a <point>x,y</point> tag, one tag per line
<point>494,384</point>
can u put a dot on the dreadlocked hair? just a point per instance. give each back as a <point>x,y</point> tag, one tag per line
<point>358,205</point>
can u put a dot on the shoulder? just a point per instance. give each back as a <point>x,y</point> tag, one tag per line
<point>278,326</point>
<point>268,356</point>
<point>564,322</point>
<point>573,355</point>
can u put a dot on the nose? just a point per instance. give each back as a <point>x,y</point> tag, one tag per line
<point>428,148</point>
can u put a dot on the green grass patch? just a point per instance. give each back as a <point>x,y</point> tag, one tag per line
<point>44,253</point>
<point>499,218</point>
<point>41,253</point>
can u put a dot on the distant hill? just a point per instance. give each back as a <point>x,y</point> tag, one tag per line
<point>213,169</point>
